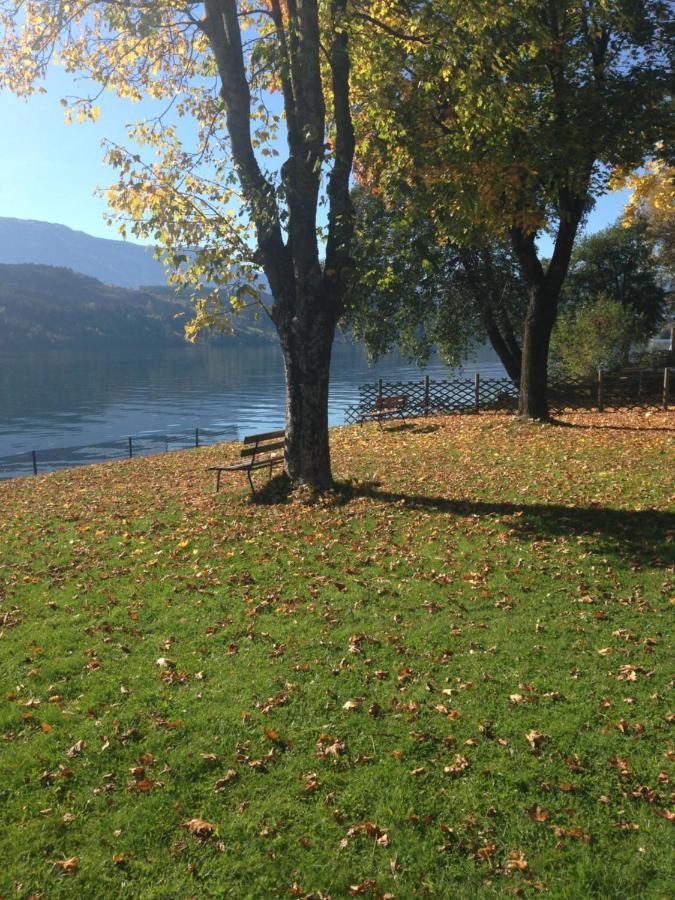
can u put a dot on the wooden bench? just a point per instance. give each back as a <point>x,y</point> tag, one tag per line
<point>259,453</point>
<point>387,408</point>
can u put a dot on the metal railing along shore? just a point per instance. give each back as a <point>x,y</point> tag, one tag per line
<point>50,459</point>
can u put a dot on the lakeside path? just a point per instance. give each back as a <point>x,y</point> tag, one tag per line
<point>448,678</point>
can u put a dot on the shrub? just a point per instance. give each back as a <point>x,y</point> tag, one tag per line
<point>597,334</point>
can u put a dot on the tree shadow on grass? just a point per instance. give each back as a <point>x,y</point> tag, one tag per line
<point>275,490</point>
<point>643,536</point>
<point>655,429</point>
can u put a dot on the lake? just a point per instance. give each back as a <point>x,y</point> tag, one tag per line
<point>73,407</point>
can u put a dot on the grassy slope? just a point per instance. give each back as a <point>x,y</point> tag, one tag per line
<point>482,580</point>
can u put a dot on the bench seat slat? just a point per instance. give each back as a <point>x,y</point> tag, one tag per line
<point>266,448</point>
<point>243,467</point>
<point>258,438</point>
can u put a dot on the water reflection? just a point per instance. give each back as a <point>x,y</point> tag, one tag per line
<point>62,398</point>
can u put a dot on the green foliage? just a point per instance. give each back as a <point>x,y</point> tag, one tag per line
<point>596,334</point>
<point>524,106</point>
<point>413,289</point>
<point>618,263</point>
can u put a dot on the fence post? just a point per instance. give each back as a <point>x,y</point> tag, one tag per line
<point>379,388</point>
<point>131,452</point>
<point>666,387</point>
<point>601,401</point>
<point>34,463</point>
<point>476,389</point>
<point>196,437</point>
<point>426,395</point>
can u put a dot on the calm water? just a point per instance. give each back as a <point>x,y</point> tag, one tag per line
<point>62,399</point>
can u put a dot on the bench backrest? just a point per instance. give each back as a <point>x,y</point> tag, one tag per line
<point>256,444</point>
<point>395,402</point>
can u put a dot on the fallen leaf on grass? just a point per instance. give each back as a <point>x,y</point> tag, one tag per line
<point>516,862</point>
<point>371,830</point>
<point>352,704</point>
<point>535,739</point>
<point>199,827</point>
<point>230,776</point>
<point>75,749</point>
<point>165,663</point>
<point>311,782</point>
<point>538,813</point>
<point>363,886</point>
<point>486,851</point>
<point>576,833</point>
<point>146,784</point>
<point>459,765</point>
<point>66,865</point>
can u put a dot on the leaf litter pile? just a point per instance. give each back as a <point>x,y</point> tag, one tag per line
<point>449,677</point>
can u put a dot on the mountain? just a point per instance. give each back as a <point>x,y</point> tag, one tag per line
<point>46,306</point>
<point>114,262</point>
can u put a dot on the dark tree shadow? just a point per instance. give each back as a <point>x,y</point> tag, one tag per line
<point>562,424</point>
<point>644,536</point>
<point>273,491</point>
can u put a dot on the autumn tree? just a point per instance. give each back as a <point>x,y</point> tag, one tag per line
<point>413,289</point>
<point>652,203</point>
<point>249,78</point>
<point>507,119</point>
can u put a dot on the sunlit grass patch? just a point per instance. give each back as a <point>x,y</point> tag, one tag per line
<point>449,677</point>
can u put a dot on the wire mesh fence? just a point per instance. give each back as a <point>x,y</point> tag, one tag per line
<point>630,389</point>
<point>434,397</point>
<point>51,459</point>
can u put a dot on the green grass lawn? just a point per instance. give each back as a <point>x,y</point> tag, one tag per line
<point>448,679</point>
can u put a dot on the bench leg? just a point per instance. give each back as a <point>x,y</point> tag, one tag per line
<point>250,481</point>
<point>217,480</point>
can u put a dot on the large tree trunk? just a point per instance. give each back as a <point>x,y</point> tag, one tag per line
<point>306,350</point>
<point>307,296</point>
<point>509,355</point>
<point>543,291</point>
<point>537,328</point>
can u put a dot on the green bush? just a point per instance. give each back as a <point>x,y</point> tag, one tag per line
<point>597,334</point>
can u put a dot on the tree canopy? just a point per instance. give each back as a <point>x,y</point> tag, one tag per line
<point>414,289</point>
<point>509,118</point>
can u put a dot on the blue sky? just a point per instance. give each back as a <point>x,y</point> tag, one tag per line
<point>50,170</point>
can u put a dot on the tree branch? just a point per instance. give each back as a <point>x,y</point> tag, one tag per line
<point>221,26</point>
<point>341,213</point>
